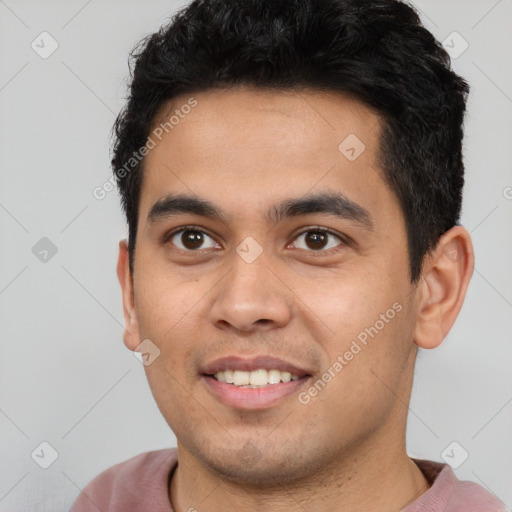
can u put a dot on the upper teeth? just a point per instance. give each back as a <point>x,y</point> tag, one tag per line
<point>259,377</point>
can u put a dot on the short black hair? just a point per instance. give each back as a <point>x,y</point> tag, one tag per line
<point>376,51</point>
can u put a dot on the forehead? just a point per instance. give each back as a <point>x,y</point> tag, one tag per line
<point>245,148</point>
<point>303,121</point>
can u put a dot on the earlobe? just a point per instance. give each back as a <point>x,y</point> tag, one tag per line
<point>441,291</point>
<point>131,328</point>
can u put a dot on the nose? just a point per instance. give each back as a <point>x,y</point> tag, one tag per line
<point>251,297</point>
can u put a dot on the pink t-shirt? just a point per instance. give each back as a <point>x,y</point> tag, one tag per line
<point>141,484</point>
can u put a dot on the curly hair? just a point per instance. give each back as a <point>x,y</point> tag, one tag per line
<point>376,51</point>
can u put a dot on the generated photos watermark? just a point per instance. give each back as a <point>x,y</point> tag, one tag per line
<point>108,186</point>
<point>360,342</point>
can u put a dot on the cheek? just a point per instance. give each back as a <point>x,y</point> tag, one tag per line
<point>369,326</point>
<point>164,295</point>
<point>367,368</point>
<point>347,302</point>
<point>165,307</point>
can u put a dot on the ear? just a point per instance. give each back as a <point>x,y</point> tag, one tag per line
<point>131,326</point>
<point>442,288</point>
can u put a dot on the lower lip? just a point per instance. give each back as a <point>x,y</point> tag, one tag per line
<point>252,398</point>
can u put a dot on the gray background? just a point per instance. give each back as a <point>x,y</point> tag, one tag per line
<point>66,377</point>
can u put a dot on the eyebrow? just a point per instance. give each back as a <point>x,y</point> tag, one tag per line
<point>335,204</point>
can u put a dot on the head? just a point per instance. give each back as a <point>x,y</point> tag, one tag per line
<point>297,197</point>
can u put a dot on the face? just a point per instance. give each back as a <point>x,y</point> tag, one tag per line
<point>288,258</point>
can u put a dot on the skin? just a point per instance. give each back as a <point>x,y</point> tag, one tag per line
<point>245,150</point>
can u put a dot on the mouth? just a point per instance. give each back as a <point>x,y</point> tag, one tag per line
<point>255,379</point>
<point>255,383</point>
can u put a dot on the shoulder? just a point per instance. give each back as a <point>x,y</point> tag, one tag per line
<point>135,484</point>
<point>449,494</point>
<point>472,496</point>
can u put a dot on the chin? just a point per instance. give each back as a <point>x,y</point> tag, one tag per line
<point>260,467</point>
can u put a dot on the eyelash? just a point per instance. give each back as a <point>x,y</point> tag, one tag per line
<point>343,240</point>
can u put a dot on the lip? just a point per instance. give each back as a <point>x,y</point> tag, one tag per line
<point>253,363</point>
<point>252,398</point>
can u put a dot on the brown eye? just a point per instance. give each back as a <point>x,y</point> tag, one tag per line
<point>191,239</point>
<point>317,240</point>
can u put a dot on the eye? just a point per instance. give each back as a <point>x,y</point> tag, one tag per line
<point>191,239</point>
<point>318,240</point>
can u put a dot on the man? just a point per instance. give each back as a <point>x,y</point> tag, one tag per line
<point>291,174</point>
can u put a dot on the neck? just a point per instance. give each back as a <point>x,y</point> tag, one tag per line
<point>362,481</point>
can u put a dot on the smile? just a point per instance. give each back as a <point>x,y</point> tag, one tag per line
<point>255,379</point>
<point>252,383</point>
